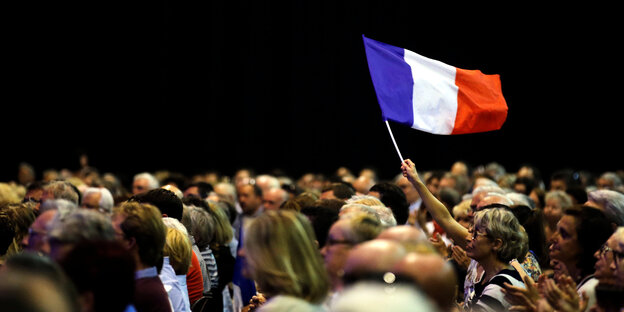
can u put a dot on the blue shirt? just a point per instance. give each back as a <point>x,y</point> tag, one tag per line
<point>172,286</point>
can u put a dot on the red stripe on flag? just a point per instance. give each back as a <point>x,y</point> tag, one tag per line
<point>481,106</point>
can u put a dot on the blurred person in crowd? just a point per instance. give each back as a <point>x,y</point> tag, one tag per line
<point>143,182</point>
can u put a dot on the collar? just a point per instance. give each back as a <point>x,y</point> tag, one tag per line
<point>149,272</point>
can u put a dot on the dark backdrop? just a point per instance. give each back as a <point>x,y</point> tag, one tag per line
<point>190,86</point>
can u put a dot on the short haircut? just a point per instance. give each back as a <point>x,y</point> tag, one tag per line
<point>82,225</point>
<point>165,200</point>
<point>362,227</point>
<point>612,203</point>
<point>106,200</point>
<point>152,181</point>
<point>105,269</point>
<point>143,222</point>
<point>393,197</point>
<point>500,223</point>
<point>204,188</point>
<point>203,226</point>
<point>63,190</point>
<point>565,200</point>
<point>342,190</point>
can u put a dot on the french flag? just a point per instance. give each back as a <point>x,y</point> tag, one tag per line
<point>431,96</point>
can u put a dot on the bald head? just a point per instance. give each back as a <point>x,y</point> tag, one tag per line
<point>434,275</point>
<point>493,199</point>
<point>412,238</point>
<point>372,257</point>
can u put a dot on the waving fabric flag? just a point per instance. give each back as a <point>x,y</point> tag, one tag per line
<point>431,96</point>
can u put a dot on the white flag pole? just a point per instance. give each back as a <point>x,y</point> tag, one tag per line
<point>393,141</point>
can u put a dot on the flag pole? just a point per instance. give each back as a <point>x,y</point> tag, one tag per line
<point>393,141</point>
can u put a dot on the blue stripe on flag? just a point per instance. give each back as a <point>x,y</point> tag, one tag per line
<point>392,79</point>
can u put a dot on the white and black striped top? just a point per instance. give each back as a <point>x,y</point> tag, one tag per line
<point>489,297</point>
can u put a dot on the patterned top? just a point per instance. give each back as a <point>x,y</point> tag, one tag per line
<point>211,265</point>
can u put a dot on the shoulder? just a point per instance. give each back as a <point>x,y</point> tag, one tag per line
<point>289,303</point>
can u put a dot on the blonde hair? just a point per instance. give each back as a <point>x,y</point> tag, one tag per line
<point>367,200</point>
<point>223,232</point>
<point>178,249</point>
<point>462,209</point>
<point>283,258</point>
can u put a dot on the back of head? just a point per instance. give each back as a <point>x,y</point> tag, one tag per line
<point>341,190</point>
<point>362,227</point>
<point>79,226</point>
<point>393,197</point>
<point>203,228</point>
<point>431,273</point>
<point>372,259</point>
<point>275,244</point>
<point>106,202</point>
<point>143,223</point>
<point>30,282</point>
<point>166,201</point>
<point>63,190</point>
<point>103,269</point>
<point>322,216</point>
<point>178,249</point>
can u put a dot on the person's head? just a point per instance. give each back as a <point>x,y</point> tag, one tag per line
<point>226,192</point>
<point>411,195</point>
<point>178,249</point>
<point>31,282</point>
<point>431,273</point>
<point>412,238</point>
<point>372,259</point>
<point>203,227</point>
<point>103,273</point>
<point>608,181</point>
<point>199,189</point>
<point>38,232</point>
<point>322,216</point>
<point>250,198</point>
<point>610,202</point>
<point>141,230</point>
<point>98,198</point>
<point>580,233</point>
<point>497,234</point>
<point>337,190</point>
<point>562,179</point>
<point>19,216</point>
<point>362,184</point>
<point>393,197</point>
<point>79,226</point>
<point>482,191</point>
<point>34,192</point>
<point>273,198</point>
<point>524,185</point>
<point>462,213</point>
<point>609,258</point>
<point>342,236</point>
<point>223,232</point>
<point>61,190</point>
<point>165,200</point>
<point>275,244</point>
<point>143,182</point>
<point>555,203</point>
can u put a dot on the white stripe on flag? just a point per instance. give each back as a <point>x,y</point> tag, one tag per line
<point>434,97</point>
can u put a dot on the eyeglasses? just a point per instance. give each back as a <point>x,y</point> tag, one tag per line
<point>617,255</point>
<point>475,234</point>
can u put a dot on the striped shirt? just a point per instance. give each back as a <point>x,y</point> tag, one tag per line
<point>489,297</point>
<point>211,266</point>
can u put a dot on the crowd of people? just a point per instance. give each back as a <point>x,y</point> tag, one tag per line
<point>456,239</point>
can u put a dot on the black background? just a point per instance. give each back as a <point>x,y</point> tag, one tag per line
<point>191,86</point>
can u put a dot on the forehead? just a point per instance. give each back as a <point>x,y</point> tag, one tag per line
<point>567,223</point>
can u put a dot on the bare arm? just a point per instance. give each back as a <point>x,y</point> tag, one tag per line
<point>438,211</point>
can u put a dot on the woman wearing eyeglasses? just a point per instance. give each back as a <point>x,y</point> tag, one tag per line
<point>496,239</point>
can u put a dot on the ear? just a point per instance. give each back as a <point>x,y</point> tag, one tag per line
<point>130,243</point>
<point>497,244</point>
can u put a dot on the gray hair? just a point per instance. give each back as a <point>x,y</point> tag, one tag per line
<point>564,199</point>
<point>63,190</point>
<point>612,203</point>
<point>152,181</point>
<point>63,207</point>
<point>520,199</point>
<point>82,225</point>
<point>613,177</point>
<point>106,199</point>
<point>203,226</point>
<point>502,224</point>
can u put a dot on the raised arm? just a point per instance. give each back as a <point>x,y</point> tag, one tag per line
<point>438,211</point>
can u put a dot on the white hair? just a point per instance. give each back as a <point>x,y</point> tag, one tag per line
<point>106,199</point>
<point>613,203</point>
<point>152,181</point>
